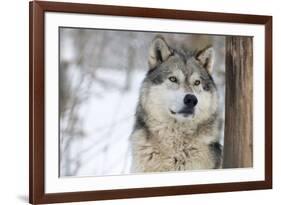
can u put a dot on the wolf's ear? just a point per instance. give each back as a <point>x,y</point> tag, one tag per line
<point>207,57</point>
<point>159,51</point>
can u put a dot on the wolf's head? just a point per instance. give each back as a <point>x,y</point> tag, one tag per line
<point>179,85</point>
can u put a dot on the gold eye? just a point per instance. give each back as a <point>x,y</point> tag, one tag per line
<point>173,79</point>
<point>197,82</point>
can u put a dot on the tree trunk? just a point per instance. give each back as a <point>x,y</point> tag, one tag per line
<point>238,137</point>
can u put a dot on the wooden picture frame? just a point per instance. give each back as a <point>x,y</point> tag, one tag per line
<point>37,10</point>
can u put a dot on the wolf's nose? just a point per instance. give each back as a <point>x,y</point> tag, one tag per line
<point>190,100</point>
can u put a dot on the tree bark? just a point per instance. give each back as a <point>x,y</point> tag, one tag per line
<point>238,137</point>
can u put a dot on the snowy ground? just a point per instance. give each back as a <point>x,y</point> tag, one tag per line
<point>107,122</point>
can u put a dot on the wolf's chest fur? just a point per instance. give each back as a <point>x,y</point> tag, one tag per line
<point>172,147</point>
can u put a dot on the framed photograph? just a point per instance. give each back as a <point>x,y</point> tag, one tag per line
<point>138,102</point>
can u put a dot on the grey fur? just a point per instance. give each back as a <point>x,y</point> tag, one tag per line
<point>163,139</point>
<point>216,150</point>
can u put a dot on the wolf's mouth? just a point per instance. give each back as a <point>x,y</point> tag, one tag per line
<point>185,112</point>
<point>172,112</point>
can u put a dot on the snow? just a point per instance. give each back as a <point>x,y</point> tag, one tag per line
<point>107,121</point>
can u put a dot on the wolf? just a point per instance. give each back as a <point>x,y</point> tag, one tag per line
<point>177,117</point>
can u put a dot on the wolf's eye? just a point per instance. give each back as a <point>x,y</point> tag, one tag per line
<point>197,82</point>
<point>173,79</point>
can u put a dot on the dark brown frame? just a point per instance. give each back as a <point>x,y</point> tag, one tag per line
<point>37,95</point>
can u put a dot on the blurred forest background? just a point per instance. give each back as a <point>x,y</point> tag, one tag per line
<point>100,75</point>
